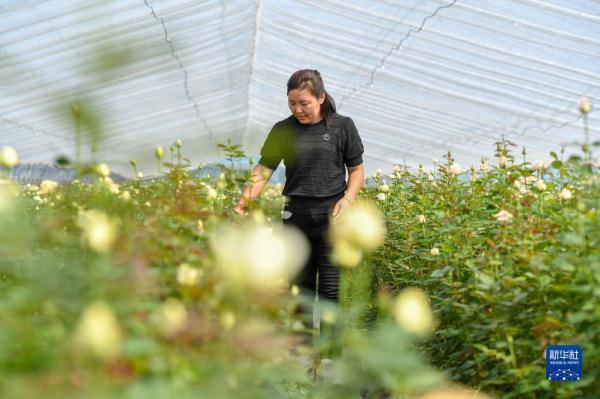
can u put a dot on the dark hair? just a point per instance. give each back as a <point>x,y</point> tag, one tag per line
<point>311,79</point>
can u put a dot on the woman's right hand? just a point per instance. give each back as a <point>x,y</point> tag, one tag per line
<point>240,209</point>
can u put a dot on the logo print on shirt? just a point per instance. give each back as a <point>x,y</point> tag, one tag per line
<point>326,137</point>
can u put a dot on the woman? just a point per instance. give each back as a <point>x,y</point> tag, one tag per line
<point>317,145</point>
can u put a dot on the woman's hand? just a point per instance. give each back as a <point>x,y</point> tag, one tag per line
<point>340,207</point>
<point>240,208</point>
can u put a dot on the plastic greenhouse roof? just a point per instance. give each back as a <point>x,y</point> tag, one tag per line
<point>418,77</point>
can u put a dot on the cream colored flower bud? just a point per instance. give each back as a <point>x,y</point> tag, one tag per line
<point>517,184</point>
<point>103,170</point>
<point>455,169</point>
<point>211,193</point>
<point>503,216</point>
<point>159,152</point>
<point>584,105</point>
<point>381,197</point>
<point>413,312</point>
<point>384,188</point>
<point>99,233</point>
<point>178,143</point>
<point>114,188</point>
<point>421,218</point>
<point>125,196</point>
<point>8,157</point>
<point>187,275</point>
<point>200,226</point>
<point>140,175</point>
<point>98,331</point>
<point>565,194</point>
<point>539,165</point>
<point>48,186</point>
<point>503,161</point>
<point>540,185</point>
<point>435,251</point>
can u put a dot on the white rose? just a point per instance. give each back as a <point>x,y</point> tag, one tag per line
<point>503,216</point>
<point>565,194</point>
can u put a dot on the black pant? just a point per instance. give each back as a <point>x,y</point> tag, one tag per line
<point>316,229</point>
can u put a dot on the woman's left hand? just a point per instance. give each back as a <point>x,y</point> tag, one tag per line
<point>339,208</point>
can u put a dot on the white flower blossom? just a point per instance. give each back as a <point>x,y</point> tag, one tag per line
<point>565,194</point>
<point>540,185</point>
<point>187,275</point>
<point>455,169</point>
<point>503,216</point>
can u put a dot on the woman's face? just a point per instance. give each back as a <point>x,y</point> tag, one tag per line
<point>305,107</point>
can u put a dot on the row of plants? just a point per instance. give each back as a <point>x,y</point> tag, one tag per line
<point>509,257</point>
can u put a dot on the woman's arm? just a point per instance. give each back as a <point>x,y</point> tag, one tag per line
<point>260,176</point>
<point>356,181</point>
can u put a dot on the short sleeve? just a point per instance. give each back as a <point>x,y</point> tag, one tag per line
<point>353,148</point>
<point>271,152</point>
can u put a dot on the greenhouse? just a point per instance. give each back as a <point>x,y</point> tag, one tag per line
<point>298,198</point>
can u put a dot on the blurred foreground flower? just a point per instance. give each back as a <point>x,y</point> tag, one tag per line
<point>361,225</point>
<point>98,331</point>
<point>99,232</point>
<point>8,157</point>
<point>381,197</point>
<point>346,255</point>
<point>421,218</point>
<point>259,256</point>
<point>435,251</point>
<point>360,228</point>
<point>412,311</point>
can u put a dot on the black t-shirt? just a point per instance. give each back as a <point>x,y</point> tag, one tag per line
<point>315,156</point>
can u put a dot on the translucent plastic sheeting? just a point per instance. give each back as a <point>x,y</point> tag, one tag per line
<point>419,77</point>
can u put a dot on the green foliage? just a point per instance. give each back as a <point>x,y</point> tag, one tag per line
<point>501,291</point>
